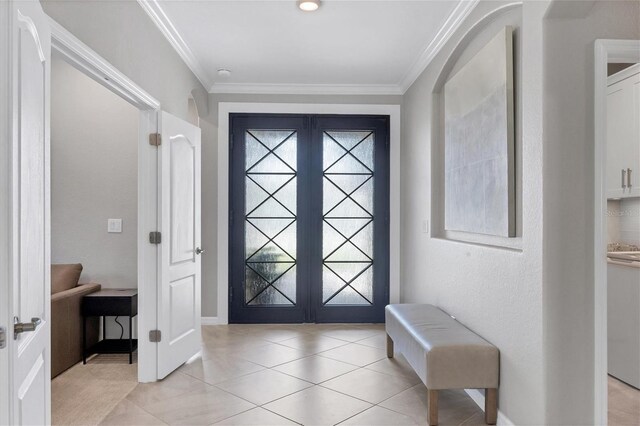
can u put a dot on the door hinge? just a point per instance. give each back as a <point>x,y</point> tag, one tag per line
<point>155,336</point>
<point>155,237</point>
<point>155,139</point>
<point>3,337</point>
<point>230,294</point>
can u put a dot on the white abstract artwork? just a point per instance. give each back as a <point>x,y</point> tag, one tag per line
<point>479,142</point>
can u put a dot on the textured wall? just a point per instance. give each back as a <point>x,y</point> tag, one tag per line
<point>497,292</point>
<point>568,201</point>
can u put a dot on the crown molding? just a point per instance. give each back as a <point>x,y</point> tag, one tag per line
<point>453,22</point>
<point>164,24</point>
<point>307,89</point>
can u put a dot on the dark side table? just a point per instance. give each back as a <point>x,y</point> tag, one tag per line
<point>112,303</point>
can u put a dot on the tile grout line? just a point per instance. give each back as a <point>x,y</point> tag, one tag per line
<point>321,384</point>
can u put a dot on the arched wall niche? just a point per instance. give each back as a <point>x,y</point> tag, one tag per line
<point>197,106</point>
<point>192,112</point>
<point>470,43</point>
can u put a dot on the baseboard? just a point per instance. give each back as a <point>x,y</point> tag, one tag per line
<point>209,321</point>
<point>478,398</point>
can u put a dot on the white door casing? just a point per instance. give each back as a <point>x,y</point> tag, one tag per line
<point>605,52</point>
<point>180,265</point>
<point>25,213</point>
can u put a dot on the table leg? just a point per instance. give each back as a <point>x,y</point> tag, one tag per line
<point>130,342</point>
<point>84,339</point>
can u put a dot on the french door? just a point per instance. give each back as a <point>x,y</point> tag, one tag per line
<point>309,218</point>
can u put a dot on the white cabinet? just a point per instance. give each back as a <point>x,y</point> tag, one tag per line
<point>623,134</point>
<point>623,323</point>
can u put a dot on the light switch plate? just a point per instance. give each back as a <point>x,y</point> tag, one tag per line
<point>425,226</point>
<point>114,225</point>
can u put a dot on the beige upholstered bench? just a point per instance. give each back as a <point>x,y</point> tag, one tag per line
<point>444,353</point>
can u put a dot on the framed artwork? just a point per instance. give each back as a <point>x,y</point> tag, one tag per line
<point>479,142</point>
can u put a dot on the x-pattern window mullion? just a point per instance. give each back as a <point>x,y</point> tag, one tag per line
<point>274,173</point>
<point>271,151</point>
<point>347,283</point>
<point>270,195</point>
<point>343,174</point>
<point>348,151</point>
<point>347,240</point>
<point>349,195</point>
<point>270,283</point>
<point>270,240</point>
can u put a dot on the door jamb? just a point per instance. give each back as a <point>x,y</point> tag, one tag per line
<point>225,108</point>
<point>93,65</point>
<point>605,51</point>
<point>6,99</point>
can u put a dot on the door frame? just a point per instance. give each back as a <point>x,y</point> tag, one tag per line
<point>605,51</point>
<point>226,108</point>
<point>86,60</point>
<point>6,142</point>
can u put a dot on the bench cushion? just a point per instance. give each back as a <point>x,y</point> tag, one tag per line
<point>444,353</point>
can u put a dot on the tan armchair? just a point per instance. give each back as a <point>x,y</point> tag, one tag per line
<point>66,317</point>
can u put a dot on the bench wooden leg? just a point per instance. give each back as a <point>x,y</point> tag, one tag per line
<point>432,407</point>
<point>389,347</point>
<point>491,406</point>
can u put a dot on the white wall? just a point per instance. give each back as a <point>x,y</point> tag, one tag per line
<point>497,292</point>
<point>536,304</point>
<point>94,176</point>
<point>568,201</point>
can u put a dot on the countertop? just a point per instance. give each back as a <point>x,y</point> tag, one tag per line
<point>623,263</point>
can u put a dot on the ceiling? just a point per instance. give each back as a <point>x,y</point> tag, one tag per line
<point>376,47</point>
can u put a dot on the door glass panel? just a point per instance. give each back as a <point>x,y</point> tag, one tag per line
<point>270,217</point>
<point>347,229</point>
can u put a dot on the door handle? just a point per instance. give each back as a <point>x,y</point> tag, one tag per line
<point>628,178</point>
<point>199,250</point>
<point>624,172</point>
<point>21,327</point>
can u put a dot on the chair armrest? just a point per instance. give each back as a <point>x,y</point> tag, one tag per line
<point>80,290</point>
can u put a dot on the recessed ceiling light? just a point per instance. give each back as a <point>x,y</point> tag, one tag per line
<point>223,72</point>
<point>309,5</point>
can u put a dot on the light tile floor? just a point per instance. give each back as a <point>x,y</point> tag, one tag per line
<point>85,394</point>
<point>309,374</point>
<point>624,403</point>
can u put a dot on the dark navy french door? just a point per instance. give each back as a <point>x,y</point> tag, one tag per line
<point>309,218</point>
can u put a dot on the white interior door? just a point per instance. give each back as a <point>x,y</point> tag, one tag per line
<point>179,293</point>
<point>27,240</point>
